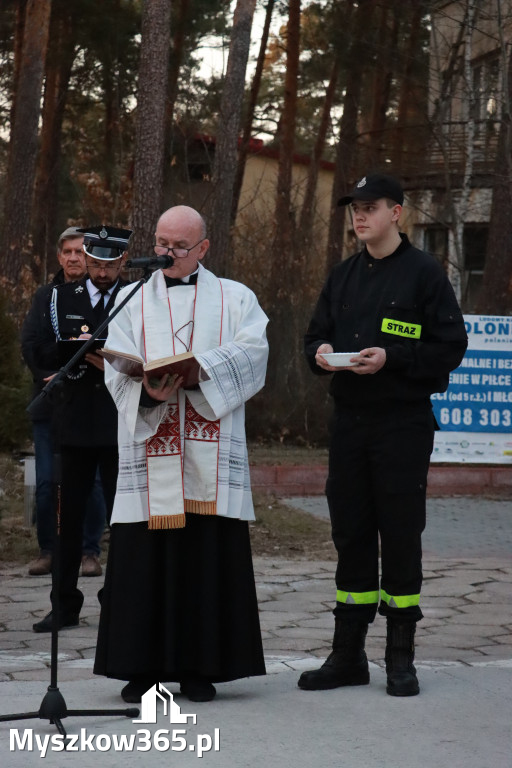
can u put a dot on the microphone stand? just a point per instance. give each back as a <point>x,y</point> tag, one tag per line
<point>53,706</point>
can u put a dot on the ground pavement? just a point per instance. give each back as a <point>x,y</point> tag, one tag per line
<point>463,716</point>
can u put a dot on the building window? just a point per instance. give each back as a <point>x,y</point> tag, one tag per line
<point>435,241</point>
<point>475,247</point>
<point>486,94</point>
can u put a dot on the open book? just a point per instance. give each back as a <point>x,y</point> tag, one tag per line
<point>184,365</point>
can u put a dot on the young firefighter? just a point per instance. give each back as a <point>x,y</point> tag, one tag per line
<point>393,306</point>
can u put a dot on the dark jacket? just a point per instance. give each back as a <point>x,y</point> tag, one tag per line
<point>31,330</point>
<point>84,414</point>
<point>369,302</point>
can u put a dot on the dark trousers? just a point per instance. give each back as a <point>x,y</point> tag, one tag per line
<point>79,467</point>
<point>94,521</point>
<point>376,487</point>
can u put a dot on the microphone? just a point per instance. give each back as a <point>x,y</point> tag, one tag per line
<point>150,262</point>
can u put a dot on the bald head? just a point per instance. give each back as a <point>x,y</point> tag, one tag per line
<point>186,217</point>
<point>182,227</point>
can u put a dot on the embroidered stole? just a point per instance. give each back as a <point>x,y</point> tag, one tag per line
<point>182,457</point>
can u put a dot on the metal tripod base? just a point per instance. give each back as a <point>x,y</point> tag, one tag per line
<point>53,708</point>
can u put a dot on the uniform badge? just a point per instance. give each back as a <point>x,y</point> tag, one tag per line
<point>361,183</point>
<point>103,233</point>
<point>79,289</point>
<point>84,328</point>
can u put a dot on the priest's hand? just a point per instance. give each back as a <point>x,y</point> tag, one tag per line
<point>164,389</point>
<point>95,360</point>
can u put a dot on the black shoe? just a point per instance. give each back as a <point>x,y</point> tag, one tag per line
<point>132,692</point>
<point>347,664</point>
<point>335,674</point>
<point>400,670</point>
<point>197,690</point>
<point>42,566</point>
<point>66,620</point>
<point>403,683</point>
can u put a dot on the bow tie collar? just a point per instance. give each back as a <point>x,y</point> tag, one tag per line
<point>172,282</point>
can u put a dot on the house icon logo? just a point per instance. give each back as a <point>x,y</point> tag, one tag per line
<point>149,702</point>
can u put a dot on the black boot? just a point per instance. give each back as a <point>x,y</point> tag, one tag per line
<point>400,670</point>
<point>347,664</point>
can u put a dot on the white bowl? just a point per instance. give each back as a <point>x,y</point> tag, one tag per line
<point>339,359</point>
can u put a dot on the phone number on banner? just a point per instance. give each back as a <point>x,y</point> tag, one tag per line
<point>481,420</point>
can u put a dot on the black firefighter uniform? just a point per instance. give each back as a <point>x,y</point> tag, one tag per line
<point>381,432</point>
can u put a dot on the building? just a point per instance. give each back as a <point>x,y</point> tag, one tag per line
<point>449,200</point>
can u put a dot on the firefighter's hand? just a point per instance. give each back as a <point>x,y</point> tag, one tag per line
<point>324,349</point>
<point>369,360</point>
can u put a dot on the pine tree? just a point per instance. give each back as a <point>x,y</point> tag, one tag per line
<point>14,385</point>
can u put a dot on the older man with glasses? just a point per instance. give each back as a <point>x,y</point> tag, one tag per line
<point>85,416</point>
<point>188,612</point>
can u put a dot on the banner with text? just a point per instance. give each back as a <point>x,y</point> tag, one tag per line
<point>475,413</point>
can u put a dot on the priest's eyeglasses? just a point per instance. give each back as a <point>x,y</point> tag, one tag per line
<point>178,253</point>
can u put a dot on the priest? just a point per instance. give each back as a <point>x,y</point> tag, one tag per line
<point>179,602</point>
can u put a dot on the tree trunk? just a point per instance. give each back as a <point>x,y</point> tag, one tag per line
<point>346,151</point>
<point>283,246</point>
<point>111,99</point>
<point>460,209</point>
<point>385,61</point>
<point>255,87</point>
<point>111,121</point>
<point>149,141</point>
<point>226,148</point>
<point>59,62</point>
<point>496,294</point>
<point>15,256</point>
<point>177,53</point>
<point>286,362</point>
<point>180,22</point>
<point>19,31</point>
<point>406,100</point>
<point>458,66</point>
<point>308,204</point>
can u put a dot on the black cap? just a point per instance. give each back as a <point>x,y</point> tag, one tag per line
<point>105,243</point>
<point>373,187</point>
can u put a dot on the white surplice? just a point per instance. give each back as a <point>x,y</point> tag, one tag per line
<point>210,465</point>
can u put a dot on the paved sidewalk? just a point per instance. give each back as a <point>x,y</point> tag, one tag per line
<point>463,716</point>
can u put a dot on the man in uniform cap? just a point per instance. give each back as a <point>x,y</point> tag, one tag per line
<point>86,417</point>
<point>71,258</point>
<point>392,307</point>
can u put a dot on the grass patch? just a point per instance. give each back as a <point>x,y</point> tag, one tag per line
<point>281,531</point>
<point>279,454</point>
<point>18,543</point>
<point>278,531</point>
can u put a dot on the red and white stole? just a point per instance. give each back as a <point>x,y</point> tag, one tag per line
<point>182,457</point>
